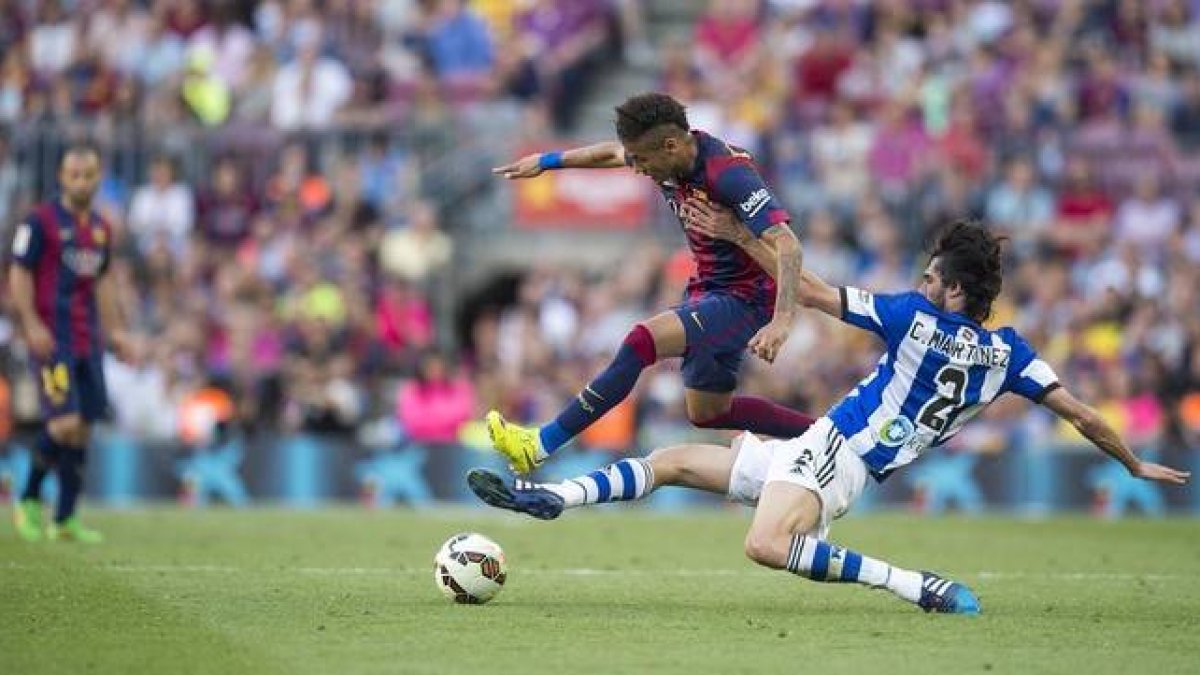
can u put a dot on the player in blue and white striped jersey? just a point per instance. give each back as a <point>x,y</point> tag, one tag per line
<point>940,369</point>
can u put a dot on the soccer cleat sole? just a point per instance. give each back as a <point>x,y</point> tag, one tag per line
<point>494,491</point>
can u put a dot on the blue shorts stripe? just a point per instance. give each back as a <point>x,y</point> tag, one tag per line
<point>629,484</point>
<point>602,485</point>
<point>850,566</point>
<point>820,562</point>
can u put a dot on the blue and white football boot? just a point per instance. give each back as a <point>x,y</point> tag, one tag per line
<point>944,596</point>
<point>521,496</point>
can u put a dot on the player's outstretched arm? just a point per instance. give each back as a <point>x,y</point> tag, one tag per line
<point>1089,423</point>
<point>606,155</point>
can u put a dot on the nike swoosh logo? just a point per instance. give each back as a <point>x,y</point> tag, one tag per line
<point>696,318</point>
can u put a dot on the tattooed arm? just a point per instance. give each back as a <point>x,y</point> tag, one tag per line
<point>787,263</point>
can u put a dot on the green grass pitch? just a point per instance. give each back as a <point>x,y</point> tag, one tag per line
<point>350,591</point>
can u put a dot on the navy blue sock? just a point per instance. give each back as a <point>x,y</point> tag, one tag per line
<point>70,483</point>
<point>45,457</point>
<point>607,390</point>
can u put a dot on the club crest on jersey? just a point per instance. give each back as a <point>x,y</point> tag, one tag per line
<point>83,262</point>
<point>896,431</point>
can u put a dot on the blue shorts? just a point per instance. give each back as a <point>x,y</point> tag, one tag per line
<point>718,328</point>
<point>72,385</point>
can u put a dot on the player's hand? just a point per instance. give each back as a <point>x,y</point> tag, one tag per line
<point>767,342</point>
<point>40,340</point>
<point>526,167</point>
<point>127,347</point>
<point>713,220</point>
<point>1158,472</point>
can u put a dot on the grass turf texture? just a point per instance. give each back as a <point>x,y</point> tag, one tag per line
<point>348,591</point>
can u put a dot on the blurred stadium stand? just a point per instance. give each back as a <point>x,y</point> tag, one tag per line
<point>307,221</point>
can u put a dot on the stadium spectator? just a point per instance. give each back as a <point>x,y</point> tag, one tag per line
<point>1147,219</point>
<point>418,250</point>
<point>162,210</point>
<point>310,89</point>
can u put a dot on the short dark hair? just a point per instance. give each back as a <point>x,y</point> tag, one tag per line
<point>83,147</point>
<point>969,254</point>
<point>643,113</point>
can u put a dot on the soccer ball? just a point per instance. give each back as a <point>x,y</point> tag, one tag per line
<point>469,568</point>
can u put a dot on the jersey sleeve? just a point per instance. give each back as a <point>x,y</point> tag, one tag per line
<point>1028,375</point>
<point>886,315</point>
<point>28,242</point>
<point>739,186</point>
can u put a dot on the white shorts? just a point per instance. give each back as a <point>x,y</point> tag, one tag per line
<point>817,461</point>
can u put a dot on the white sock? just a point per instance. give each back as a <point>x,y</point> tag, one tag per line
<point>820,560</point>
<point>626,480</point>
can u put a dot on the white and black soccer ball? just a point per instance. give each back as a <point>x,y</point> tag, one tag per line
<point>469,568</point>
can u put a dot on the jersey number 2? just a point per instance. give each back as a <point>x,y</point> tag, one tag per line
<point>952,384</point>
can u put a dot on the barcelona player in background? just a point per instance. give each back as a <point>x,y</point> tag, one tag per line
<point>731,301</point>
<point>67,311</point>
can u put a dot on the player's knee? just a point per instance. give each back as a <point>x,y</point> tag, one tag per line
<point>708,418</point>
<point>69,430</point>
<point>640,340</point>
<point>667,465</point>
<point>765,548</point>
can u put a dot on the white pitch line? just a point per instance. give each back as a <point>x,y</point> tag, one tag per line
<point>583,572</point>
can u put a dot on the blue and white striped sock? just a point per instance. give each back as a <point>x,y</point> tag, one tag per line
<point>623,481</point>
<point>818,560</point>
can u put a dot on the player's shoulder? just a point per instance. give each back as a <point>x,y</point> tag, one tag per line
<point>39,215</point>
<point>907,300</point>
<point>1013,338</point>
<point>719,155</point>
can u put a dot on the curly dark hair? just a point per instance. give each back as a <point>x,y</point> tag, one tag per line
<point>644,113</point>
<point>970,255</point>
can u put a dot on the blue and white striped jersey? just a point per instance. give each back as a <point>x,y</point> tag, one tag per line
<point>940,370</point>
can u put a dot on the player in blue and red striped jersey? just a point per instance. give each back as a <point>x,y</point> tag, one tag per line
<point>731,303</point>
<point>60,253</point>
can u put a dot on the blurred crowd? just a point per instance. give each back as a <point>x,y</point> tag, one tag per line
<point>305,286</point>
<point>1072,127</point>
<point>292,64</point>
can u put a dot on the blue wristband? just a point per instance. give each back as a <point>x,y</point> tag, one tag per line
<point>550,160</point>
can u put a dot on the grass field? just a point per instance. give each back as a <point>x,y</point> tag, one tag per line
<point>349,591</point>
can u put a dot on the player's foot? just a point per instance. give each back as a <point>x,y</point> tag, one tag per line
<point>519,445</point>
<point>73,530</point>
<point>941,595</point>
<point>27,516</point>
<point>520,497</point>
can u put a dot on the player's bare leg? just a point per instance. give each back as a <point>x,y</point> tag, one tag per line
<point>782,536</point>
<point>695,465</point>
<point>661,336</point>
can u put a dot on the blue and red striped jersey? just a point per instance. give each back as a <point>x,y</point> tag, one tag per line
<point>729,176</point>
<point>67,256</point>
